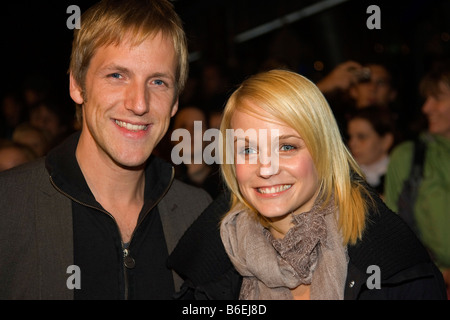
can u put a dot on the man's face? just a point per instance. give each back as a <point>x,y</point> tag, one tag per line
<point>437,110</point>
<point>128,101</point>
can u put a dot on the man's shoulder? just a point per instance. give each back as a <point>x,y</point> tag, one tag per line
<point>185,200</point>
<point>24,174</point>
<point>186,188</point>
<point>185,194</point>
<point>403,150</point>
<point>179,208</point>
<point>399,165</point>
<point>178,190</point>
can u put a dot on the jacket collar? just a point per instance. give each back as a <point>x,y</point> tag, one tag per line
<point>66,175</point>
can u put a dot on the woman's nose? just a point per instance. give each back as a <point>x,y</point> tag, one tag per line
<point>268,166</point>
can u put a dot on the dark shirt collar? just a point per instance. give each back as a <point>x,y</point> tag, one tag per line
<point>67,176</point>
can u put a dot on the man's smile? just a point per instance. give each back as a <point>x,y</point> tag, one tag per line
<point>130,126</point>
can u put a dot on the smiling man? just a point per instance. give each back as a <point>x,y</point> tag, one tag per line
<point>430,210</point>
<point>100,201</point>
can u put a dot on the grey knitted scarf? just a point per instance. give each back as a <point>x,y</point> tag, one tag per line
<point>310,253</point>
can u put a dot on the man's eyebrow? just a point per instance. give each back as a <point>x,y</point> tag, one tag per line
<point>115,67</point>
<point>118,67</point>
<point>161,75</point>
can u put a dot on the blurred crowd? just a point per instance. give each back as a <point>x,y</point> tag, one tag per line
<point>33,119</point>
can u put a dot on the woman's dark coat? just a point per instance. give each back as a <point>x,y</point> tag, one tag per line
<point>388,263</point>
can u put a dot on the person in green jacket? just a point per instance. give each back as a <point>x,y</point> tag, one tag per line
<point>431,209</point>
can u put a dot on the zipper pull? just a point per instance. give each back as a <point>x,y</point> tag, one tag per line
<point>128,260</point>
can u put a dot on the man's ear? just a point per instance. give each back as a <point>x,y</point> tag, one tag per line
<point>76,93</point>
<point>174,109</point>
<point>387,142</point>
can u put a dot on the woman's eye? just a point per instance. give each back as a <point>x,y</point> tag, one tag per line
<point>246,151</point>
<point>287,147</point>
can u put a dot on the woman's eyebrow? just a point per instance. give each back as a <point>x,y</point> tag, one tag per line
<point>236,139</point>
<point>287,136</point>
<point>282,137</point>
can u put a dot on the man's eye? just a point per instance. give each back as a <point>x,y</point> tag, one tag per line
<point>158,82</point>
<point>116,75</point>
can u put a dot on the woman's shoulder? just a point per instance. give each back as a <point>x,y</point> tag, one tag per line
<point>387,242</point>
<point>390,258</point>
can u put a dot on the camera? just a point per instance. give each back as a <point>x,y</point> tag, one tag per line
<point>362,75</point>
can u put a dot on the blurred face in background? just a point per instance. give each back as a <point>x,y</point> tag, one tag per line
<point>185,119</point>
<point>437,110</point>
<point>32,137</point>
<point>366,145</point>
<point>12,110</point>
<point>13,156</point>
<point>376,90</point>
<point>43,118</point>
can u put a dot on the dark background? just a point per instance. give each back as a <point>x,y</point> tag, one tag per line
<point>36,41</point>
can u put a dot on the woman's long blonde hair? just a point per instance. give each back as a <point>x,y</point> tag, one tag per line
<point>297,102</point>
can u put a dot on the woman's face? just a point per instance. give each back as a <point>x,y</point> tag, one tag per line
<point>366,145</point>
<point>274,169</point>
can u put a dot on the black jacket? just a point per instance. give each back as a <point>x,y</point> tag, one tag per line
<point>37,227</point>
<point>388,249</point>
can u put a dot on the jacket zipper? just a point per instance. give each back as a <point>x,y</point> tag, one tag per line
<point>128,261</point>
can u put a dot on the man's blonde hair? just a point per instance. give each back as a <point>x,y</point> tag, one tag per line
<point>111,21</point>
<point>298,103</point>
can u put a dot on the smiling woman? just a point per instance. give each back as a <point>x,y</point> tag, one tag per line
<point>301,229</point>
<point>274,191</point>
<point>285,101</point>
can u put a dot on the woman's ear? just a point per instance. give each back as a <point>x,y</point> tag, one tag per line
<point>76,93</point>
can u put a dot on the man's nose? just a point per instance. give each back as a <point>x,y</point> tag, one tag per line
<point>138,98</point>
<point>429,104</point>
